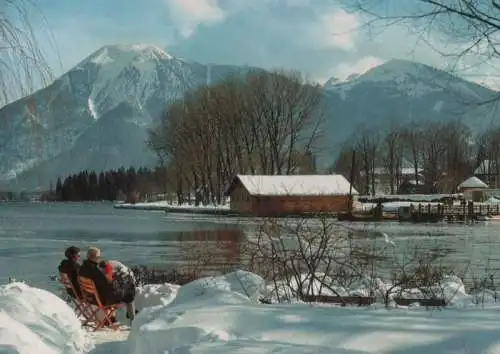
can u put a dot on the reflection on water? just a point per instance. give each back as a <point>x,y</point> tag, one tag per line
<point>473,250</point>
<point>34,236</point>
<point>208,251</point>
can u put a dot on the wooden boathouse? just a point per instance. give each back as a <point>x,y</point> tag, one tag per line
<point>286,195</point>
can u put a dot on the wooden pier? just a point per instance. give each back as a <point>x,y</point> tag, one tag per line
<point>424,212</point>
<point>464,213</point>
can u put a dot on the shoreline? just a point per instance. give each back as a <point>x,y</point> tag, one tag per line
<point>212,210</point>
<point>180,209</point>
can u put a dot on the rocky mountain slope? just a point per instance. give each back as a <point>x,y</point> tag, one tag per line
<point>402,90</point>
<point>96,115</point>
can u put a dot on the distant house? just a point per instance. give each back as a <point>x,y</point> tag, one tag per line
<point>472,183</point>
<point>405,176</point>
<point>489,172</point>
<point>280,195</point>
<point>473,189</point>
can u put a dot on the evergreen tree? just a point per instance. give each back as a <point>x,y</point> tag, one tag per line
<point>109,185</point>
<point>58,187</point>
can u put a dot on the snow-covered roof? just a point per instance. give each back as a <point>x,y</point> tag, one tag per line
<point>473,182</point>
<point>296,185</point>
<point>486,167</point>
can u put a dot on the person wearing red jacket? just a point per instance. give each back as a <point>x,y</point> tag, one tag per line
<point>107,269</point>
<point>122,278</point>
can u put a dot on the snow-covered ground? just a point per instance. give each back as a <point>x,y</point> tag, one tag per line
<point>36,321</point>
<point>359,206</point>
<point>222,315</point>
<point>163,205</point>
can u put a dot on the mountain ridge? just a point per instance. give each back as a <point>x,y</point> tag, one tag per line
<point>96,115</point>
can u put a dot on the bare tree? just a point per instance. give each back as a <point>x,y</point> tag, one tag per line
<point>367,146</point>
<point>23,66</point>
<point>488,155</point>
<point>445,153</point>
<point>303,258</point>
<point>469,27</point>
<point>458,155</point>
<point>392,155</point>
<point>432,150</point>
<point>265,123</point>
<point>413,137</point>
<point>281,108</point>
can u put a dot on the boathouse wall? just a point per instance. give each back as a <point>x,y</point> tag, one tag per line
<point>242,201</point>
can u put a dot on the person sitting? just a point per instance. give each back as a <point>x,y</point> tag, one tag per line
<point>122,278</point>
<point>70,266</point>
<point>109,291</point>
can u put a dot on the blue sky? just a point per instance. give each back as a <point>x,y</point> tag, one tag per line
<point>317,37</point>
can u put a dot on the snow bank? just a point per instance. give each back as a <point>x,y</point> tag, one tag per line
<point>156,329</point>
<point>164,205</point>
<point>219,315</point>
<point>36,321</point>
<point>154,295</point>
<point>451,289</point>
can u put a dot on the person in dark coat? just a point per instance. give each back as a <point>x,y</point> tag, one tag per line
<point>70,266</point>
<point>108,294</point>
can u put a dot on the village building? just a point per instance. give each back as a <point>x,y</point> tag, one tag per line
<point>402,182</point>
<point>281,195</point>
<point>489,172</point>
<point>473,189</point>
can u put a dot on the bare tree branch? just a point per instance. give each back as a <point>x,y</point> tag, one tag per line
<point>470,28</point>
<point>23,66</point>
<point>265,122</point>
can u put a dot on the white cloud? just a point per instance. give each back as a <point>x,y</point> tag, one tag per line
<point>343,70</point>
<point>316,37</point>
<point>298,3</point>
<point>336,29</point>
<point>188,14</point>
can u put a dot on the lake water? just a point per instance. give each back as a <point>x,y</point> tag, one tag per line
<point>33,238</point>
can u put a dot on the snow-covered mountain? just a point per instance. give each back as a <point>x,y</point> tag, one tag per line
<point>401,90</point>
<point>96,115</point>
<point>415,79</point>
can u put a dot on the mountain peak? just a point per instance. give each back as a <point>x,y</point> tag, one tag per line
<point>403,65</point>
<point>331,82</point>
<point>396,70</point>
<point>126,53</point>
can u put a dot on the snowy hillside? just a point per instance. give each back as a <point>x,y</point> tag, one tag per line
<point>402,91</point>
<point>96,115</point>
<point>415,79</point>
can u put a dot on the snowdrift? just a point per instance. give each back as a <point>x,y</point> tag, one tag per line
<point>154,295</point>
<point>221,315</point>
<point>36,321</point>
